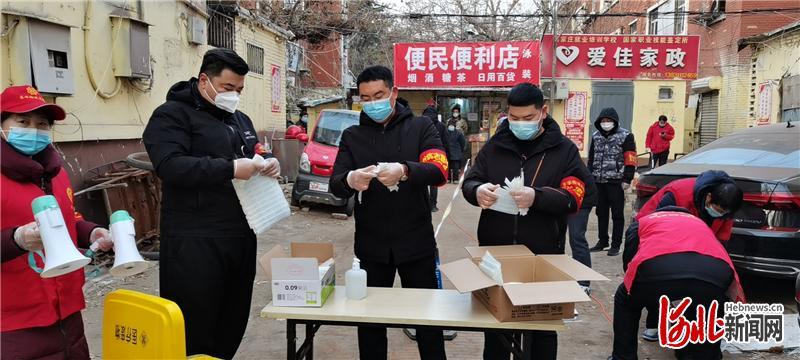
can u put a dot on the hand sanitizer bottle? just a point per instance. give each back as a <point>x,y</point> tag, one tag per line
<point>356,281</point>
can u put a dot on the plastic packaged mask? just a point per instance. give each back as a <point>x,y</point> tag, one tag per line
<point>491,268</point>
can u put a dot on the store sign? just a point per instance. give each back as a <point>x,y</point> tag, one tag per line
<point>764,103</point>
<point>639,57</point>
<point>466,65</point>
<point>575,118</point>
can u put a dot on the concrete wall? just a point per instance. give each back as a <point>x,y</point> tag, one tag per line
<point>774,59</point>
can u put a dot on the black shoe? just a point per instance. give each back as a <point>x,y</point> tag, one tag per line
<point>613,251</point>
<point>598,248</point>
<point>434,209</point>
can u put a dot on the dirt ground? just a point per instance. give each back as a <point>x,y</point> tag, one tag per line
<point>588,337</point>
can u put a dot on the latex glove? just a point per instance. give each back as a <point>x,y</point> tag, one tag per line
<point>524,198</point>
<point>626,186</point>
<point>389,174</point>
<point>103,239</point>
<point>28,237</point>
<point>359,179</point>
<point>272,168</point>
<point>244,169</point>
<point>486,196</point>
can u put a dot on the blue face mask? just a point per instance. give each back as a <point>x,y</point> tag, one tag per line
<point>378,110</point>
<point>28,141</point>
<point>713,212</point>
<point>525,130</point>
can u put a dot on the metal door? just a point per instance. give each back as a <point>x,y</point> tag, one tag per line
<point>616,94</point>
<point>709,104</point>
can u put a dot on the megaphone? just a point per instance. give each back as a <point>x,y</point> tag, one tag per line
<point>62,256</point>
<point>127,260</point>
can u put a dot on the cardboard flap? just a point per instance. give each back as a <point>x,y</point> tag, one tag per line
<point>266,260</point>
<point>466,276</point>
<point>499,252</point>
<point>320,251</point>
<point>295,269</point>
<point>573,268</point>
<point>549,292</point>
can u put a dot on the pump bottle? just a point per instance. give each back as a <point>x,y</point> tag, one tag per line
<point>356,281</point>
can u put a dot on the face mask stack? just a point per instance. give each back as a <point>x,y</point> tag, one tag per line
<point>492,268</point>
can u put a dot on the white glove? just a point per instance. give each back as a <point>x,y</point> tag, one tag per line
<point>244,168</point>
<point>524,198</point>
<point>28,237</point>
<point>359,179</point>
<point>102,237</point>
<point>272,168</point>
<point>486,196</point>
<point>389,174</point>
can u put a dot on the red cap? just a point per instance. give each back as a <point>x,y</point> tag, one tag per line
<point>24,98</point>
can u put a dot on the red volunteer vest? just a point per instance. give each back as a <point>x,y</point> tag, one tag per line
<point>27,299</point>
<point>666,233</point>
<point>683,191</point>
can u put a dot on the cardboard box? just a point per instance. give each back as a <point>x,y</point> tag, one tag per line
<point>540,287</point>
<point>304,278</point>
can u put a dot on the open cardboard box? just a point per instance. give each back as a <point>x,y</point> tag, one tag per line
<point>542,287</point>
<point>304,278</point>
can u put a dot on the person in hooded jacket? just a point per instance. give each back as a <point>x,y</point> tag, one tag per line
<point>41,316</point>
<point>431,113</point>
<point>658,138</point>
<point>530,142</point>
<point>676,255</point>
<point>393,232</point>
<point>612,162</point>
<point>198,142</point>
<point>456,144</point>
<point>713,197</point>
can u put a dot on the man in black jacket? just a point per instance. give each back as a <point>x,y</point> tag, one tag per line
<point>431,113</point>
<point>393,227</point>
<point>612,162</point>
<point>198,143</point>
<point>554,177</point>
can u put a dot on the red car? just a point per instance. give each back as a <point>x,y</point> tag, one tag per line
<point>316,162</point>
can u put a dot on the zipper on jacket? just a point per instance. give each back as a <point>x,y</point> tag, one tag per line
<point>523,158</point>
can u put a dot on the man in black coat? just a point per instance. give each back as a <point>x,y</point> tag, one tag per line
<point>393,218</point>
<point>554,175</point>
<point>198,143</point>
<point>431,113</point>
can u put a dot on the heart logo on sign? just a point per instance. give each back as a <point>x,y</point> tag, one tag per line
<point>567,54</point>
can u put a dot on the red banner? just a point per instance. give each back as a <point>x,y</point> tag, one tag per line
<point>650,57</point>
<point>465,65</point>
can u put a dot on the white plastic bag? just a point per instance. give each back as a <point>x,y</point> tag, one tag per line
<point>262,201</point>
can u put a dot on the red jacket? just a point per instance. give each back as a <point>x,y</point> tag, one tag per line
<point>655,141</point>
<point>27,299</point>
<point>685,193</point>
<point>666,233</point>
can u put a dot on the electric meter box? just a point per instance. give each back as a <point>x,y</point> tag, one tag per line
<point>51,57</point>
<point>131,51</point>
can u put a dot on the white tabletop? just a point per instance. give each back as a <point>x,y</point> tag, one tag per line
<point>445,308</point>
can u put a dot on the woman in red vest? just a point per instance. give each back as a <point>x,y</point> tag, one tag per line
<point>676,255</point>
<point>41,318</point>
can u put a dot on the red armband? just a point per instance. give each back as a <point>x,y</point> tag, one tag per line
<point>436,157</point>
<point>576,187</point>
<point>630,158</point>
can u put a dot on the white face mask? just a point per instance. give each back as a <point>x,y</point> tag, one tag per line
<point>227,101</point>
<point>607,126</point>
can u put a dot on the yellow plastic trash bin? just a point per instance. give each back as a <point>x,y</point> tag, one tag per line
<point>142,326</point>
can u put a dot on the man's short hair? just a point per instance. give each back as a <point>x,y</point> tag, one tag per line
<point>217,60</point>
<point>662,118</point>
<point>377,72</point>
<point>526,94</point>
<point>728,196</point>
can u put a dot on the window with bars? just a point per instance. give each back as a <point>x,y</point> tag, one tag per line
<point>255,59</point>
<point>221,30</point>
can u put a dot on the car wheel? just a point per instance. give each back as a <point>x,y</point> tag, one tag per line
<point>351,205</point>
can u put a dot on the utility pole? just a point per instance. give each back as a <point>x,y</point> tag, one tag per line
<point>554,11</point>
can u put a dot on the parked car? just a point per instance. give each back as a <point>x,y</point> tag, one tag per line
<point>797,296</point>
<point>316,161</point>
<point>765,163</point>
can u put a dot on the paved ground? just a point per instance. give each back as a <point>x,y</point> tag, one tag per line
<point>587,338</point>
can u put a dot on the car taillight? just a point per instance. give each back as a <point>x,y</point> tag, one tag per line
<point>774,201</point>
<point>645,190</point>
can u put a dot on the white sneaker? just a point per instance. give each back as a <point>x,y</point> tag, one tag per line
<point>650,335</point>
